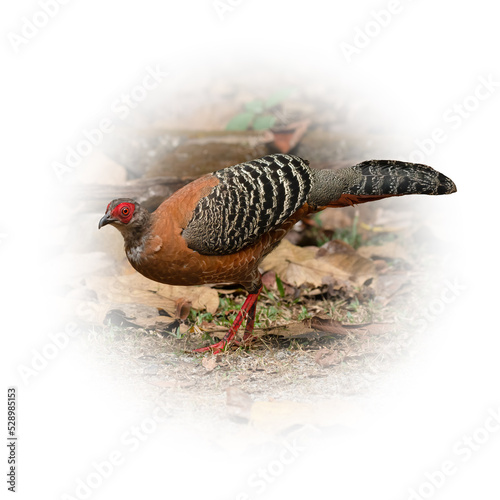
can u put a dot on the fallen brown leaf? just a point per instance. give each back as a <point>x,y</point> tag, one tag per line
<point>328,325</point>
<point>391,250</point>
<point>137,315</point>
<point>352,267</point>
<point>269,281</point>
<point>317,327</point>
<point>136,289</point>
<point>286,253</point>
<point>300,265</point>
<point>209,363</point>
<point>370,328</point>
<point>333,247</point>
<point>182,308</point>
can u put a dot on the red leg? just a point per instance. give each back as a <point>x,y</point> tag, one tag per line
<point>247,311</point>
<point>247,336</point>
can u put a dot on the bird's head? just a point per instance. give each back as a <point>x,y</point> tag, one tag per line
<point>126,215</point>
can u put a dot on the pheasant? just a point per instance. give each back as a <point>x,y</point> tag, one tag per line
<point>218,228</point>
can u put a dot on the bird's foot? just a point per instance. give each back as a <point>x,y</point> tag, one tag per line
<point>246,342</point>
<point>221,346</point>
<point>248,339</point>
<point>216,348</point>
<point>247,311</point>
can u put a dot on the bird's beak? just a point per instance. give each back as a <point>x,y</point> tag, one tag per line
<point>106,219</point>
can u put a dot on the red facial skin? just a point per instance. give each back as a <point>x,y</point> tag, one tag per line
<point>123,212</point>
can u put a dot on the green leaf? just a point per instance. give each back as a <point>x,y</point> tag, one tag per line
<point>277,97</point>
<point>281,288</point>
<point>256,106</point>
<point>263,122</point>
<point>304,313</point>
<point>241,121</point>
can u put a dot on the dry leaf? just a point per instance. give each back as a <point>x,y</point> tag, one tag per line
<point>391,250</point>
<point>182,308</point>
<point>317,327</point>
<point>81,311</point>
<point>328,325</point>
<point>209,363</point>
<point>269,281</point>
<point>286,253</point>
<point>137,315</point>
<point>352,267</point>
<point>136,289</point>
<point>300,265</point>
<point>296,330</point>
<point>370,328</point>
<point>314,327</point>
<point>333,247</point>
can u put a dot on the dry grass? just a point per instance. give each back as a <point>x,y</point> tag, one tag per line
<point>193,386</point>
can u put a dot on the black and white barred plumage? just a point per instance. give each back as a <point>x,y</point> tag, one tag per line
<point>256,197</point>
<point>378,177</point>
<point>250,200</point>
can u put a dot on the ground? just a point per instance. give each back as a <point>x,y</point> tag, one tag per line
<point>289,365</point>
<point>332,335</point>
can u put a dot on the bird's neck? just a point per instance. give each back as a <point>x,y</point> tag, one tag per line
<point>135,239</point>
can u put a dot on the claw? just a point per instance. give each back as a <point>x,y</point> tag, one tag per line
<point>221,346</point>
<point>215,348</point>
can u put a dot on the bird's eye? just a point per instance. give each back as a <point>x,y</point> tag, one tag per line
<point>125,211</point>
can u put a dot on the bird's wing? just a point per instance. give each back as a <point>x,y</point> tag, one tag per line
<point>249,200</point>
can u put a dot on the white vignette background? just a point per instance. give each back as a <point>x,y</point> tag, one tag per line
<point>438,436</point>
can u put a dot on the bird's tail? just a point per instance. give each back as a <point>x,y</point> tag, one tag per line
<point>374,180</point>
